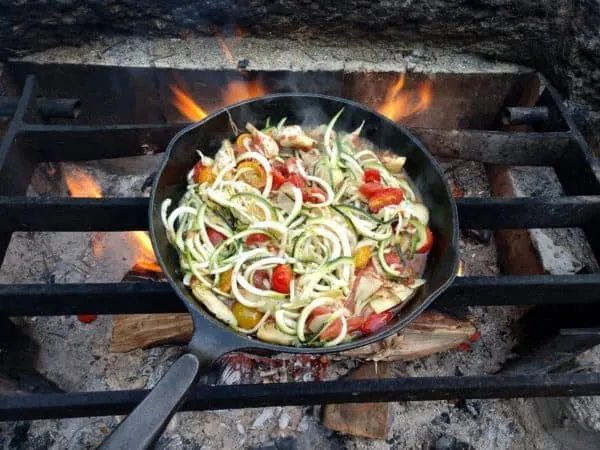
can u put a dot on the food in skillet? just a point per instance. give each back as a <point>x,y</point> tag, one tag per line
<point>300,237</point>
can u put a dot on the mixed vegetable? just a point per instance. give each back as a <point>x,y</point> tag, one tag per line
<point>300,237</point>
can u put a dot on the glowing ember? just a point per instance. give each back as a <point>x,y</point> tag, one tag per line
<point>81,184</point>
<point>186,106</point>
<point>399,104</point>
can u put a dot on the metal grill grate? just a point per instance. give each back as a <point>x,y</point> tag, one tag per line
<point>29,141</point>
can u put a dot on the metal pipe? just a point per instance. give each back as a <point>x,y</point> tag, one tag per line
<point>517,115</point>
<point>48,108</point>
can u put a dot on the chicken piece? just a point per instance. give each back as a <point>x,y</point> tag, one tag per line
<point>294,136</point>
<point>264,143</point>
<point>393,163</point>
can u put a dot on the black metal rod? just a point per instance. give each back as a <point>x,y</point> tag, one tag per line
<point>496,147</point>
<point>121,214</point>
<point>65,108</point>
<point>207,398</point>
<point>148,297</point>
<point>517,115</point>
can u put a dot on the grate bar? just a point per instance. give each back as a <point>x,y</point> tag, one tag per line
<point>497,147</point>
<point>206,398</point>
<point>148,297</point>
<point>72,143</point>
<point>122,214</point>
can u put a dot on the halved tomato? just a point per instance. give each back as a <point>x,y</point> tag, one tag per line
<point>297,180</point>
<point>314,194</point>
<point>260,279</point>
<point>385,197</point>
<point>256,238</point>
<point>428,243</point>
<point>375,322</point>
<point>370,189</point>
<point>282,278</point>
<point>214,236</point>
<point>372,175</point>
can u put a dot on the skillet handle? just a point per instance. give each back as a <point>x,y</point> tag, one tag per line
<point>148,420</point>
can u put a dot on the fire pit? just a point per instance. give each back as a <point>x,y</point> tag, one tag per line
<point>474,123</point>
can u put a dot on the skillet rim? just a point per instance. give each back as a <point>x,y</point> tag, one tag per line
<point>236,342</point>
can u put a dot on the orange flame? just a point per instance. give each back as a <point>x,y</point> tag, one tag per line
<point>398,104</point>
<point>186,105</point>
<point>81,184</point>
<point>238,90</point>
<point>145,258</point>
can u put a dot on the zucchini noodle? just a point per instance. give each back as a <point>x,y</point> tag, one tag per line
<point>300,237</point>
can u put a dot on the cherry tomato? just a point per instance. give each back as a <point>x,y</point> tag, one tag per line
<point>355,322</point>
<point>87,318</point>
<point>372,175</point>
<point>246,317</point>
<point>253,173</point>
<point>214,236</point>
<point>428,243</point>
<point>385,197</point>
<point>225,281</point>
<point>278,179</point>
<point>203,174</point>
<point>291,166</point>
<point>319,311</point>
<point>332,331</point>
<point>334,328</point>
<point>375,321</point>
<point>256,238</point>
<point>392,259</point>
<point>241,142</point>
<point>297,180</point>
<point>362,256</point>
<point>314,194</point>
<point>282,278</point>
<point>370,189</point>
<point>260,279</point>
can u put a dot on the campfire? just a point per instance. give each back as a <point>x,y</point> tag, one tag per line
<point>523,178</point>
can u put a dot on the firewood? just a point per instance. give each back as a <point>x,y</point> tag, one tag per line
<point>430,333</point>
<point>370,420</point>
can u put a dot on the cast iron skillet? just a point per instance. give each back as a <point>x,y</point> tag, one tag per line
<point>212,338</point>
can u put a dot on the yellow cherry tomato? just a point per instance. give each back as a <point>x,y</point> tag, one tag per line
<point>225,281</point>
<point>246,317</point>
<point>240,141</point>
<point>253,174</point>
<point>362,257</point>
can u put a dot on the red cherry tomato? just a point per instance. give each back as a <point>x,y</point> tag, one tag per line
<point>385,197</point>
<point>282,278</point>
<point>314,194</point>
<point>297,180</point>
<point>354,323</point>
<point>392,259</point>
<point>260,277</point>
<point>256,238</point>
<point>278,179</point>
<point>372,175</point>
<point>428,243</point>
<point>87,318</point>
<point>375,321</point>
<point>291,166</point>
<point>214,236</point>
<point>332,331</point>
<point>370,189</point>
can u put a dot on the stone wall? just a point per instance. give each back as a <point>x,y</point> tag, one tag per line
<point>558,37</point>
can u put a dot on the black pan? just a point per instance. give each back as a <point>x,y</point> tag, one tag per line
<point>212,339</point>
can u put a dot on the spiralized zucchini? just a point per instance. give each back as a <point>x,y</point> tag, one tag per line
<point>300,237</point>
